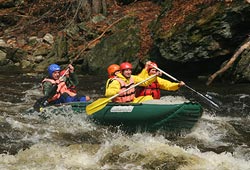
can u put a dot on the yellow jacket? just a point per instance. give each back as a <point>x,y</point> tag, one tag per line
<point>163,83</point>
<point>113,88</point>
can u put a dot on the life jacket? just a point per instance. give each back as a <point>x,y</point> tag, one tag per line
<point>70,86</point>
<point>127,96</point>
<point>152,90</point>
<point>110,80</point>
<point>62,88</point>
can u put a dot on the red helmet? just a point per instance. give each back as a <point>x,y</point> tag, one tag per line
<point>152,65</point>
<point>112,69</point>
<point>125,65</point>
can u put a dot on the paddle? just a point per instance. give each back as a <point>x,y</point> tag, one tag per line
<point>207,98</point>
<point>102,102</point>
<point>43,101</point>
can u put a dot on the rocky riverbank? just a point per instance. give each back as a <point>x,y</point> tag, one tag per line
<point>192,39</point>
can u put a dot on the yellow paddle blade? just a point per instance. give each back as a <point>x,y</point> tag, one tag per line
<point>97,105</point>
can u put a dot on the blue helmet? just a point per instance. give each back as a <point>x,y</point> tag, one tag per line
<point>52,68</point>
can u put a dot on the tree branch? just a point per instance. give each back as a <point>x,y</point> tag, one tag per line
<point>230,62</point>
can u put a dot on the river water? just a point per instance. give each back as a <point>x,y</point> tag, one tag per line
<point>220,140</point>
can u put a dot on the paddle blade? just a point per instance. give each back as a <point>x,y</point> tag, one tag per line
<point>97,105</point>
<point>40,103</point>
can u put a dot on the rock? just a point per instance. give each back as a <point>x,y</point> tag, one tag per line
<point>98,18</point>
<point>2,54</point>
<point>42,50</point>
<point>39,58</point>
<point>121,46</point>
<point>242,70</point>
<point>17,64</point>
<point>21,42</point>
<point>12,42</point>
<point>3,59</point>
<point>206,39</point>
<point>3,43</point>
<point>48,38</point>
<point>26,64</point>
<point>73,31</point>
<point>33,40</point>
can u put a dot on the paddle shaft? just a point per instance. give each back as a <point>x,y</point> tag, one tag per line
<point>206,98</point>
<point>64,73</point>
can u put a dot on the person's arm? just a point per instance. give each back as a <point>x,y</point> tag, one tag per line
<point>138,79</point>
<point>143,74</point>
<point>73,79</point>
<point>167,85</point>
<point>113,88</point>
<point>47,86</point>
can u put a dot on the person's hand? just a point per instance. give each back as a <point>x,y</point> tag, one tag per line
<point>181,83</point>
<point>158,73</point>
<point>59,80</point>
<point>148,63</point>
<point>71,68</point>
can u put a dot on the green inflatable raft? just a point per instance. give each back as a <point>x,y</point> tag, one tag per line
<point>145,116</point>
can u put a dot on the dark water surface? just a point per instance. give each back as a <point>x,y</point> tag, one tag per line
<point>219,141</point>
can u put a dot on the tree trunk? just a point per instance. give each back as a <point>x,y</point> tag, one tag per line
<point>96,6</point>
<point>92,7</point>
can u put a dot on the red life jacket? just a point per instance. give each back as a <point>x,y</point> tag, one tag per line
<point>62,88</point>
<point>129,95</point>
<point>152,89</point>
<point>72,88</point>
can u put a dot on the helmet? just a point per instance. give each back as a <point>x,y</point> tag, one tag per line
<point>52,68</point>
<point>152,65</point>
<point>125,65</point>
<point>112,69</point>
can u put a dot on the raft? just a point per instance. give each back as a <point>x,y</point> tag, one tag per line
<point>145,116</point>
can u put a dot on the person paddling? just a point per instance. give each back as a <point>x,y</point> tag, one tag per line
<point>70,79</point>
<point>62,93</point>
<point>123,81</point>
<point>155,87</point>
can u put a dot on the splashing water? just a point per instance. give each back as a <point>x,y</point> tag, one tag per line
<point>62,139</point>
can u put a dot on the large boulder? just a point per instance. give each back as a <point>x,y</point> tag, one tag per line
<point>122,45</point>
<point>241,70</point>
<point>207,37</point>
